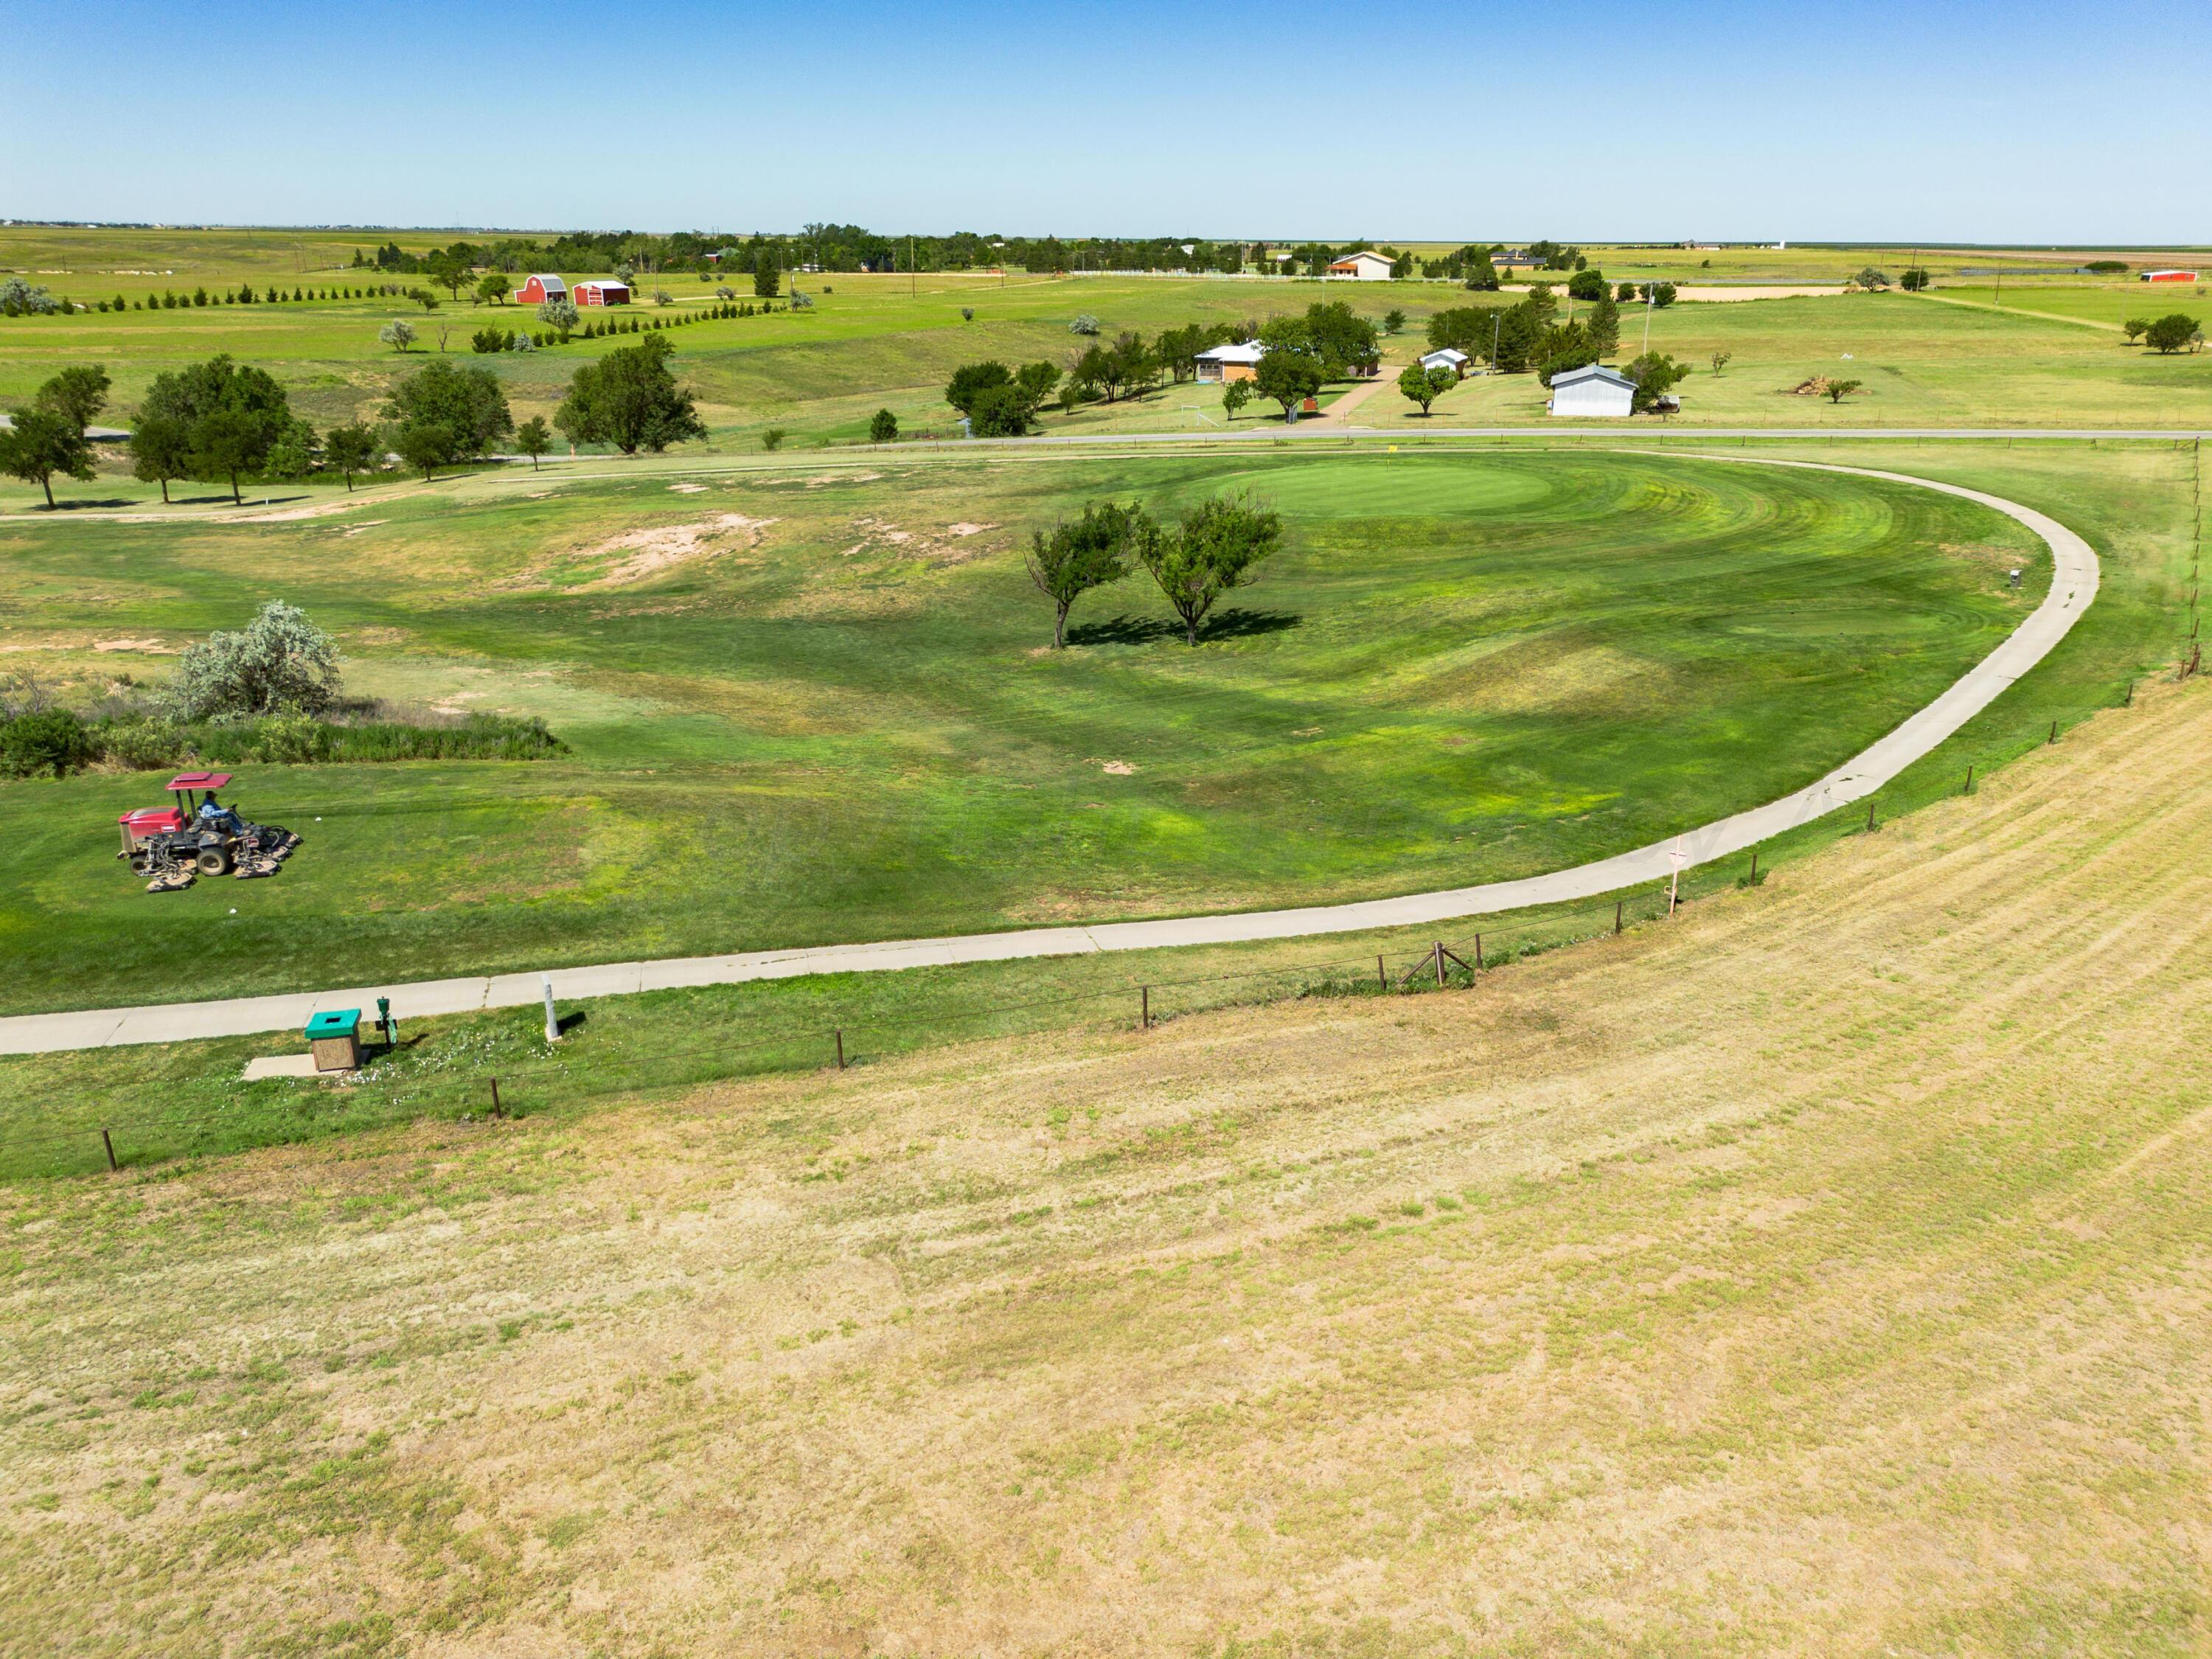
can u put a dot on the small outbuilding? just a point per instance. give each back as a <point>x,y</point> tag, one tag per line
<point>608,293</point>
<point>2168,277</point>
<point>540,287</point>
<point>1368,266</point>
<point>1593,393</point>
<point>1450,357</point>
<point>1230,362</point>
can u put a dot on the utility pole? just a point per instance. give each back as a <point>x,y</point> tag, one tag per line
<point>1649,296</point>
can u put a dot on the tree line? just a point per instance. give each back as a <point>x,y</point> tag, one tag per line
<point>223,421</point>
<point>1328,342</point>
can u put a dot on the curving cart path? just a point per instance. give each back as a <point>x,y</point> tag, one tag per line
<point>2072,586</point>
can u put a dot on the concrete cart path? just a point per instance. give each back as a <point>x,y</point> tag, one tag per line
<point>2072,586</point>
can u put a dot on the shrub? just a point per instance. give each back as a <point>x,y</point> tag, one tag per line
<point>1087,324</point>
<point>281,660</point>
<point>772,438</point>
<point>882,428</point>
<point>50,740</point>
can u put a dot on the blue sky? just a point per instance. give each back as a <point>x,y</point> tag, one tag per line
<point>2029,121</point>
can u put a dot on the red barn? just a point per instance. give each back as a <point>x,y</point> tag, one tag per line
<point>538,289</point>
<point>608,293</point>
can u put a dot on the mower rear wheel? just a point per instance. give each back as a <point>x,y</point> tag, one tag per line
<point>212,861</point>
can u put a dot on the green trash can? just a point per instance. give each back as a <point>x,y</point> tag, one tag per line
<point>334,1039</point>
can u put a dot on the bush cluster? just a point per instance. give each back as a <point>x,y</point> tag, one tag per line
<point>58,741</point>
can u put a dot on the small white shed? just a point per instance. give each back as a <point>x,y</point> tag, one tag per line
<point>1592,392</point>
<point>1450,357</point>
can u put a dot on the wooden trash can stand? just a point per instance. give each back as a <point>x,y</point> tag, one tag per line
<point>334,1039</point>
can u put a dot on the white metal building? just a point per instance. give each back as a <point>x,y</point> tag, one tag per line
<point>1450,357</point>
<point>1367,267</point>
<point>1592,392</point>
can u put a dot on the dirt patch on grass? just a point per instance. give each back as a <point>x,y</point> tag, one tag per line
<point>152,647</point>
<point>638,555</point>
<point>947,546</point>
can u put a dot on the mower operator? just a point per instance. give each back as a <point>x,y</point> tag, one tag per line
<point>214,816</point>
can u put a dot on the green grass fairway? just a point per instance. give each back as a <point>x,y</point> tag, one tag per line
<point>846,723</point>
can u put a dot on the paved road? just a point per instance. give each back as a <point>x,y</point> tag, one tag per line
<point>2072,586</point>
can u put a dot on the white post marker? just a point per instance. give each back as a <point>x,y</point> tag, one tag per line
<point>1678,857</point>
<point>552,1025</point>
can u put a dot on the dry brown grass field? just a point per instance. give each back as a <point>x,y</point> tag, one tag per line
<point>1826,1271</point>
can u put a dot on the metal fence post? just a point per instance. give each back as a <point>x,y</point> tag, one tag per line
<point>108,1141</point>
<point>840,1035</point>
<point>1145,1008</point>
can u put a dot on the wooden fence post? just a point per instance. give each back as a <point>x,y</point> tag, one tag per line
<point>2054,732</point>
<point>497,1110</point>
<point>1754,866</point>
<point>108,1141</point>
<point>1869,818</point>
<point>1617,903</point>
<point>1145,1008</point>
<point>1440,964</point>
<point>1478,953</point>
<point>1381,973</point>
<point>840,1035</point>
<point>1969,778</point>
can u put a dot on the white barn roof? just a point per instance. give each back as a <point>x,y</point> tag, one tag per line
<point>1592,372</point>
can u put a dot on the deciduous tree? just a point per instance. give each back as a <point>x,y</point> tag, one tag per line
<point>426,444</point>
<point>1069,559</point>
<point>2169,333</point>
<point>398,334</point>
<point>75,394</point>
<point>349,449</point>
<point>534,438</point>
<point>161,450</point>
<point>467,402</point>
<point>629,398</point>
<point>1424,385</point>
<point>41,444</point>
<point>1655,375</point>
<point>1288,376</point>
<point>1218,546</point>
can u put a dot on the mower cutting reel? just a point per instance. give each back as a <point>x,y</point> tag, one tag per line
<point>173,846</point>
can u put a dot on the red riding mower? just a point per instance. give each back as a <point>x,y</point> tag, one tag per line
<point>176,845</point>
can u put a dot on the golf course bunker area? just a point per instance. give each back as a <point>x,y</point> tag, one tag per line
<point>1452,669</point>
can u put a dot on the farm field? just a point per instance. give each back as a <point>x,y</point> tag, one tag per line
<point>882,341</point>
<point>816,707</point>
<point>1822,1271</point>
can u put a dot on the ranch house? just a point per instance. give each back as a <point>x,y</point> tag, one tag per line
<point>1592,392</point>
<point>1450,357</point>
<point>608,293</point>
<point>536,290</point>
<point>1367,267</point>
<point>1230,362</point>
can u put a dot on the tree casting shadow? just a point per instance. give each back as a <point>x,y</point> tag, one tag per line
<point>1234,623</point>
